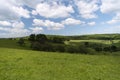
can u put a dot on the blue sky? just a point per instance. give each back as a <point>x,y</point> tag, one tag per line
<point>59,17</point>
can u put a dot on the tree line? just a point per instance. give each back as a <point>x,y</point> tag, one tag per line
<point>56,44</point>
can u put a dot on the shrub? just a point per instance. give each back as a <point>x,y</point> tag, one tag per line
<point>91,51</point>
<point>35,46</point>
<point>113,48</point>
<point>59,47</point>
<point>21,42</point>
<point>72,49</point>
<point>32,37</point>
<point>58,40</point>
<point>41,38</point>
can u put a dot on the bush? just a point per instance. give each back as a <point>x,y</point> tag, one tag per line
<point>35,46</point>
<point>58,40</point>
<point>107,48</point>
<point>59,47</point>
<point>91,51</point>
<point>72,49</point>
<point>32,37</point>
<point>113,48</point>
<point>41,38</point>
<point>21,42</point>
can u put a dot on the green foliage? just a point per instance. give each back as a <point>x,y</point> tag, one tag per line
<point>41,38</point>
<point>32,37</point>
<point>59,47</point>
<point>58,40</point>
<point>72,49</point>
<point>21,42</point>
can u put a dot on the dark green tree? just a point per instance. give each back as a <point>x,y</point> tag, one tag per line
<point>21,42</point>
<point>58,40</point>
<point>41,38</point>
<point>32,38</point>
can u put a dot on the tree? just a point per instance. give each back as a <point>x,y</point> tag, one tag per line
<point>32,38</point>
<point>41,38</point>
<point>21,42</point>
<point>58,40</point>
<point>86,44</point>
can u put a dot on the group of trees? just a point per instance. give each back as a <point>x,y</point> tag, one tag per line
<point>56,44</point>
<point>43,43</point>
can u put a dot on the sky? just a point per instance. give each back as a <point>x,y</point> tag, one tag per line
<point>58,17</point>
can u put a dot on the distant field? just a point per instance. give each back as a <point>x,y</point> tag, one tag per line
<point>17,64</point>
<point>97,41</point>
<point>7,43</point>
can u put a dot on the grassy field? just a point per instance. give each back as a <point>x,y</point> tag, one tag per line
<point>20,63</point>
<point>16,64</point>
<point>97,41</point>
<point>6,43</point>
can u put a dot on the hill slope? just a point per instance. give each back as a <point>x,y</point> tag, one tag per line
<point>20,63</point>
<point>16,64</point>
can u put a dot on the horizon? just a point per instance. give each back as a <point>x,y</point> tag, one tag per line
<point>20,18</point>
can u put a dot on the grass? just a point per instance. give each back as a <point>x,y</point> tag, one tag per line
<point>7,43</point>
<point>97,41</point>
<point>19,63</point>
<point>16,64</point>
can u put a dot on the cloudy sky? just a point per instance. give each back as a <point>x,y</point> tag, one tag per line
<point>58,17</point>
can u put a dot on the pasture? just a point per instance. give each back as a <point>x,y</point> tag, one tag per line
<point>21,63</point>
<point>17,64</point>
<point>95,41</point>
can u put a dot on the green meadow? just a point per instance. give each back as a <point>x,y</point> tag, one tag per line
<point>20,63</point>
<point>96,41</point>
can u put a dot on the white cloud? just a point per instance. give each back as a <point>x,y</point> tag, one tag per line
<point>53,10</point>
<point>4,29</point>
<point>72,21</point>
<point>18,25</point>
<point>34,12</point>
<point>109,7</point>
<point>12,10</point>
<point>31,4</point>
<point>49,24</point>
<point>87,9</point>
<point>17,29</point>
<point>91,23</point>
<point>115,19</point>
<point>36,30</point>
<point>21,12</point>
<point>5,23</point>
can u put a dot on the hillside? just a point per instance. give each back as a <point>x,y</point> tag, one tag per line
<point>20,63</point>
<point>17,64</point>
<point>96,36</point>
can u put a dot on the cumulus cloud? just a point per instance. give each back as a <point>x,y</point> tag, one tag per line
<point>87,9</point>
<point>116,19</point>
<point>111,6</point>
<point>11,10</point>
<point>36,30</point>
<point>53,11</point>
<point>21,12</point>
<point>72,21</point>
<point>18,25</point>
<point>5,23</point>
<point>17,29</point>
<point>49,24</point>
<point>91,23</point>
